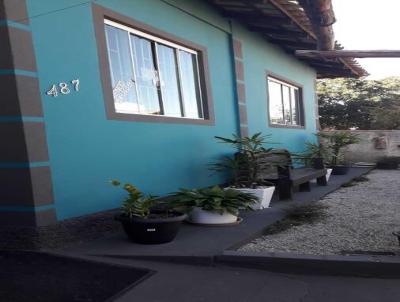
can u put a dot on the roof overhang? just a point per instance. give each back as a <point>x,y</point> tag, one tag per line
<point>287,24</point>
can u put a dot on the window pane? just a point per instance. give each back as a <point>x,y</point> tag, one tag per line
<point>286,104</point>
<point>169,80</point>
<point>122,78</point>
<point>146,76</point>
<point>294,97</point>
<point>275,103</point>
<point>190,84</point>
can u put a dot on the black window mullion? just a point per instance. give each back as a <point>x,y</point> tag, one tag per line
<point>156,67</point>
<point>300,106</point>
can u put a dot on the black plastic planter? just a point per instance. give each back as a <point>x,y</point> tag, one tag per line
<point>387,165</point>
<point>340,170</point>
<point>152,230</point>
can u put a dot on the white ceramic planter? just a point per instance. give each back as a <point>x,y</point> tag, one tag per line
<point>263,194</point>
<point>205,217</point>
<point>328,174</point>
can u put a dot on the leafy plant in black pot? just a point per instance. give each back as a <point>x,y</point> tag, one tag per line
<point>315,155</point>
<point>142,222</point>
<point>212,205</point>
<point>335,141</point>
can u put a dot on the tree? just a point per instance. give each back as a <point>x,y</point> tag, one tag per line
<point>362,104</point>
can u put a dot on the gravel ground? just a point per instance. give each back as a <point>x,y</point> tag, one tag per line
<point>360,218</point>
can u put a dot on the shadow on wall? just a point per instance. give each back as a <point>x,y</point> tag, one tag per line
<point>373,145</point>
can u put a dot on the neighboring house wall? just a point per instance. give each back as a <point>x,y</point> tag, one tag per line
<point>374,145</point>
<point>87,149</point>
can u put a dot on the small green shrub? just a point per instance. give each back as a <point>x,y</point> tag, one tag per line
<point>136,204</point>
<point>213,199</point>
<point>348,184</point>
<point>361,178</point>
<point>354,181</point>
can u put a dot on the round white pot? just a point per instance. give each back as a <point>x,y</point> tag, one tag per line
<point>206,217</point>
<point>263,194</point>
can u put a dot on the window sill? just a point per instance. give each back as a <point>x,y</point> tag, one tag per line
<point>147,118</point>
<point>286,126</point>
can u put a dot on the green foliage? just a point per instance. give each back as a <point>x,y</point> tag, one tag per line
<point>363,104</point>
<point>299,215</point>
<point>249,149</point>
<point>136,204</point>
<point>361,178</point>
<point>335,141</point>
<point>386,118</point>
<point>312,151</point>
<point>228,163</point>
<point>213,199</point>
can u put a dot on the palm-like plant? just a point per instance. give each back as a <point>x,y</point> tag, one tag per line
<point>314,151</point>
<point>335,141</point>
<point>247,164</point>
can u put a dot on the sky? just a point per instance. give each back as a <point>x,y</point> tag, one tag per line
<point>368,25</point>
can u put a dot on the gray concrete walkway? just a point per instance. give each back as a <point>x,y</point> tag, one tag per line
<point>184,283</point>
<point>214,282</point>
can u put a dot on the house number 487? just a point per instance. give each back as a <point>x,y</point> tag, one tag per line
<point>63,88</point>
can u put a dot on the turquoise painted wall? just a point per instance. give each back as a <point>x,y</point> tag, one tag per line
<point>260,57</point>
<point>87,150</point>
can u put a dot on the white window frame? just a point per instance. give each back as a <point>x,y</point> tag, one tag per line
<point>172,45</point>
<point>300,109</point>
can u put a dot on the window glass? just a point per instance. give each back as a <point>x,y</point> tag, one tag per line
<point>122,78</point>
<point>146,76</point>
<point>169,80</point>
<point>152,76</point>
<point>190,84</point>
<point>275,103</point>
<point>285,105</point>
<point>294,98</point>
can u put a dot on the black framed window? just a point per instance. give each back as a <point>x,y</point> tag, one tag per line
<point>152,76</point>
<point>285,103</point>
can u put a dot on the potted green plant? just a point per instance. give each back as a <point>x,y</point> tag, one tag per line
<point>335,141</point>
<point>213,206</point>
<point>247,166</point>
<point>142,222</point>
<point>315,156</point>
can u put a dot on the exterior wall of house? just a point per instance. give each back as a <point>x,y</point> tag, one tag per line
<point>86,149</point>
<point>259,59</point>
